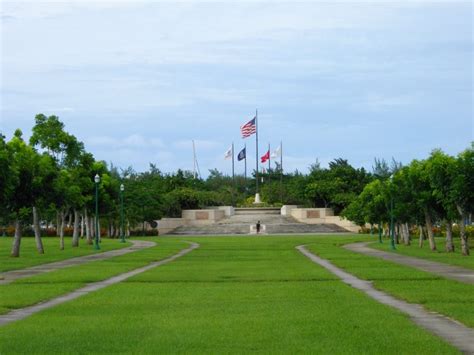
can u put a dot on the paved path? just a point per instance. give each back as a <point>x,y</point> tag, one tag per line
<point>22,313</point>
<point>453,332</point>
<point>10,276</point>
<point>448,271</point>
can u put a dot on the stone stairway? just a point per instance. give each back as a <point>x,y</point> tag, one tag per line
<point>243,218</point>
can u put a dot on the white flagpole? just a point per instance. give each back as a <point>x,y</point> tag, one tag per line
<point>233,175</point>
<point>256,150</point>
<point>281,172</point>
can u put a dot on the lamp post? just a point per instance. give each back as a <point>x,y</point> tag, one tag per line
<point>122,235</point>
<point>392,226</point>
<point>97,180</point>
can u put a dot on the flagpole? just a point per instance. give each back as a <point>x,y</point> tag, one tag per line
<point>257,197</point>
<point>245,162</point>
<point>194,160</point>
<point>233,161</point>
<point>269,160</point>
<point>281,172</point>
<point>233,175</point>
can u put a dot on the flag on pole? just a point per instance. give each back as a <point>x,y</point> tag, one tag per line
<point>249,128</point>
<point>265,157</point>
<point>242,155</point>
<point>277,152</point>
<point>228,153</point>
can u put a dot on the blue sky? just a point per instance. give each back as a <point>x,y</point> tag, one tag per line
<point>137,81</point>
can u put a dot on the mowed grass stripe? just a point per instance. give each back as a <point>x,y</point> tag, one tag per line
<point>29,255</point>
<point>232,295</point>
<point>448,297</point>
<point>28,291</point>
<point>440,255</point>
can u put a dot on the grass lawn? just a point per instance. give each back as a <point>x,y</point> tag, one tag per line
<point>32,290</point>
<point>232,295</point>
<point>448,297</point>
<point>439,255</point>
<point>29,255</point>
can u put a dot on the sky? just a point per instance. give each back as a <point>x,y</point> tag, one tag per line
<point>138,81</point>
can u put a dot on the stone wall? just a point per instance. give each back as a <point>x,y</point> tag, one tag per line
<point>166,225</point>
<point>319,216</point>
<point>202,217</point>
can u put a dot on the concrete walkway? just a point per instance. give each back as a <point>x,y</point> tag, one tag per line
<point>10,276</point>
<point>448,271</point>
<point>453,332</point>
<point>22,313</point>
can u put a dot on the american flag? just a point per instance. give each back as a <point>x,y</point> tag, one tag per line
<point>249,128</point>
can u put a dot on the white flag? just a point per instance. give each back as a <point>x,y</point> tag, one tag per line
<point>277,152</point>
<point>228,154</point>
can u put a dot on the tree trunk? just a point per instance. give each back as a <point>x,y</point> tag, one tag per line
<point>406,233</point>
<point>82,226</point>
<point>69,220</point>
<point>92,227</point>
<point>17,240</point>
<point>37,229</point>
<point>88,227</point>
<point>420,242</point>
<point>61,230</point>
<point>449,237</point>
<point>75,233</point>
<point>58,223</point>
<point>429,230</point>
<point>462,232</point>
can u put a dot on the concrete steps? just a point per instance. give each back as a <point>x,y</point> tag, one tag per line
<point>296,228</point>
<point>257,211</point>
<point>243,218</point>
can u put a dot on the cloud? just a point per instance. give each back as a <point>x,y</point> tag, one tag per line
<point>138,80</point>
<point>132,142</point>
<point>59,110</point>
<point>380,102</point>
<point>199,143</point>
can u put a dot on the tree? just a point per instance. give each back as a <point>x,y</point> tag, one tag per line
<point>8,178</point>
<point>23,159</point>
<point>370,206</point>
<point>463,191</point>
<point>418,178</point>
<point>380,169</point>
<point>44,175</point>
<point>67,151</point>
<point>442,171</point>
<point>337,186</point>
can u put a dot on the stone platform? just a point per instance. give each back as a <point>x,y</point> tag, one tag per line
<point>241,220</point>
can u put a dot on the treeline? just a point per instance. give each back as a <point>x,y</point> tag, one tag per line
<point>47,188</point>
<point>439,189</point>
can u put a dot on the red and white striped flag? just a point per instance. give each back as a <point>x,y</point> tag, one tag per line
<point>249,128</point>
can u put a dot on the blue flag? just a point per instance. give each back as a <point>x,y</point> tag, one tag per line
<point>241,155</point>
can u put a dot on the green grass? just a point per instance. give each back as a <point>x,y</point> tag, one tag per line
<point>232,295</point>
<point>32,290</point>
<point>29,256</point>
<point>439,255</point>
<point>448,297</point>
